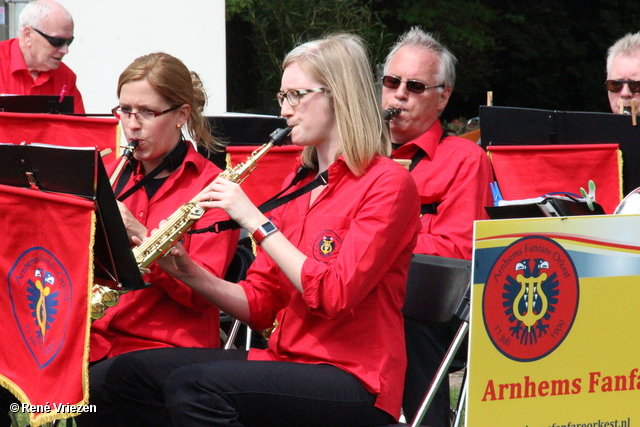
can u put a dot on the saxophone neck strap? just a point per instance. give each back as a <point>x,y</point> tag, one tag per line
<point>419,155</point>
<point>431,208</point>
<point>171,162</point>
<point>274,202</point>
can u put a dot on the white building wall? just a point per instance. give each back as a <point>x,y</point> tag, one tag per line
<point>110,34</point>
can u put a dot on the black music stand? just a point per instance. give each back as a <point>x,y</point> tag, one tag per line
<point>47,104</point>
<point>241,129</point>
<point>80,172</point>
<point>526,126</point>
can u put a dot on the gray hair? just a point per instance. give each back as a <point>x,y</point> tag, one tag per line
<point>36,11</point>
<point>627,45</point>
<point>417,37</point>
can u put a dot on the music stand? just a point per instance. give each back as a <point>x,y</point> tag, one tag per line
<point>78,171</point>
<point>242,129</point>
<point>47,104</point>
<point>526,126</point>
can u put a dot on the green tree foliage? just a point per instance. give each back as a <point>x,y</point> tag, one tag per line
<point>465,27</point>
<point>547,54</point>
<point>277,26</point>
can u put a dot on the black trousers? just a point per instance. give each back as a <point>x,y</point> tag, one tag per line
<point>213,387</point>
<point>427,344</point>
<point>104,415</point>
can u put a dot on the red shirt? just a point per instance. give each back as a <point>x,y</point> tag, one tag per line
<point>358,236</point>
<point>16,80</point>
<point>169,313</point>
<point>456,174</point>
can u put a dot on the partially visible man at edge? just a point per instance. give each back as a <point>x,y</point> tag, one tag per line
<point>452,177</point>
<point>623,73</point>
<point>31,64</point>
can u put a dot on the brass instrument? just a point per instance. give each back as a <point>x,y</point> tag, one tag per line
<point>103,296</point>
<point>179,223</point>
<point>387,115</point>
<point>127,154</point>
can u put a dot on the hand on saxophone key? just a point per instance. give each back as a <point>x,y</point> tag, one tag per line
<point>229,196</point>
<point>134,228</point>
<point>175,259</point>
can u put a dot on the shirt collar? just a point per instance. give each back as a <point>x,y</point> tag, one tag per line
<point>428,141</point>
<point>187,162</point>
<point>18,65</point>
<point>336,170</point>
<point>17,60</point>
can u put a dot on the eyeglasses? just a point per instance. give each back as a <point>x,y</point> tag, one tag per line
<point>294,95</point>
<point>413,86</point>
<point>54,41</point>
<point>141,116</point>
<point>617,85</point>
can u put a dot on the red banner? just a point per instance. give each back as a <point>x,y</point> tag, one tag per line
<point>271,170</point>
<point>46,266</point>
<point>530,171</point>
<point>67,131</point>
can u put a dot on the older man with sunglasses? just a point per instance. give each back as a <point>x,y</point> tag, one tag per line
<point>623,73</point>
<point>452,175</point>
<point>31,64</point>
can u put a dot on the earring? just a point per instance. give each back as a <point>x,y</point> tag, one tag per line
<point>179,125</point>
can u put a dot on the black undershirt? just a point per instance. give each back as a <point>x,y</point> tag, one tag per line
<point>153,185</point>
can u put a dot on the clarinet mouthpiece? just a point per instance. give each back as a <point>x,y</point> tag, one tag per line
<point>280,136</point>
<point>390,113</point>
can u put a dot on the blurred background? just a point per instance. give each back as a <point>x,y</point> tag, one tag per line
<point>547,54</point>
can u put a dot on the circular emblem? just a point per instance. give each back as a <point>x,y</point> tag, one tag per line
<point>530,299</point>
<point>326,245</point>
<point>40,292</point>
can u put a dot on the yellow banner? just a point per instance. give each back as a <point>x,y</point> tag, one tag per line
<point>554,318</point>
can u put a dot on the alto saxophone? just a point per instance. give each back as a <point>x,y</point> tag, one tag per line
<point>179,223</point>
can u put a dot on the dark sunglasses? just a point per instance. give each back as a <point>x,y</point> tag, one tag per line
<point>617,85</point>
<point>54,41</point>
<point>413,86</point>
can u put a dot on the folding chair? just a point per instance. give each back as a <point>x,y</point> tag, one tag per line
<point>236,272</point>
<point>438,291</point>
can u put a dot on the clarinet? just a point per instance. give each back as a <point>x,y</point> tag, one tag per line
<point>390,113</point>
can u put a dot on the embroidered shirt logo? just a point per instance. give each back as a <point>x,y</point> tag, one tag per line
<point>326,245</point>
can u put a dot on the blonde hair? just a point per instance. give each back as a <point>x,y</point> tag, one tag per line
<point>340,63</point>
<point>179,86</point>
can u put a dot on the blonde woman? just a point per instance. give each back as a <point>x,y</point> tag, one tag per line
<point>330,274</point>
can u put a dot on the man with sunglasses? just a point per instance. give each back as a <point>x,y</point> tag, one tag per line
<point>452,175</point>
<point>623,73</point>
<point>31,64</point>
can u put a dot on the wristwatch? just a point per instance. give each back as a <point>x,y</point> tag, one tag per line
<point>263,231</point>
